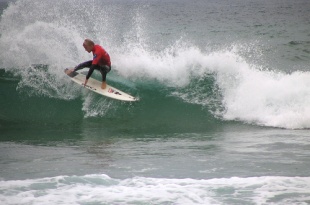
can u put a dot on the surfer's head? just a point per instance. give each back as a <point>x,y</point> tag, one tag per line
<point>88,45</point>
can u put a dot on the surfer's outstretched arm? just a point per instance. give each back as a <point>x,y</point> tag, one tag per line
<point>85,83</point>
<point>90,72</point>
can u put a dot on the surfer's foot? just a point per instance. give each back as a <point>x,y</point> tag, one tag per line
<point>69,71</point>
<point>103,85</point>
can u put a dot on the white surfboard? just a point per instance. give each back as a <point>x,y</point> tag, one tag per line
<point>95,85</point>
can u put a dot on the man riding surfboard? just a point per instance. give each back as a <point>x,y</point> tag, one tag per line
<point>101,61</point>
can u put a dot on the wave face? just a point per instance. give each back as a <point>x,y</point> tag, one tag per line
<point>191,77</point>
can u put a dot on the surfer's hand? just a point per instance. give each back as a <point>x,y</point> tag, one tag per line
<point>85,82</point>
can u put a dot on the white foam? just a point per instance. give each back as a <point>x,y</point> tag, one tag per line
<point>268,98</point>
<point>102,189</point>
<point>172,66</point>
<point>94,106</point>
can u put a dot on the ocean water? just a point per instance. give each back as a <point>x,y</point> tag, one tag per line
<point>223,115</point>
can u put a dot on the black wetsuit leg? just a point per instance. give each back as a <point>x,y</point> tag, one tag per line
<point>86,64</point>
<point>104,70</point>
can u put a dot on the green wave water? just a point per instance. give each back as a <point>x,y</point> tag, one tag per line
<point>157,111</point>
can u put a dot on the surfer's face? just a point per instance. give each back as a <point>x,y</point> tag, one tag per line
<point>87,47</point>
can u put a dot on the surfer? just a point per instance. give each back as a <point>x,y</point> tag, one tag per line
<point>101,61</point>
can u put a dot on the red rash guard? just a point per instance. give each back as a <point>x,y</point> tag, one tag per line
<point>100,56</point>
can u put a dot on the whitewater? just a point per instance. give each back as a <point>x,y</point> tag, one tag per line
<point>95,189</point>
